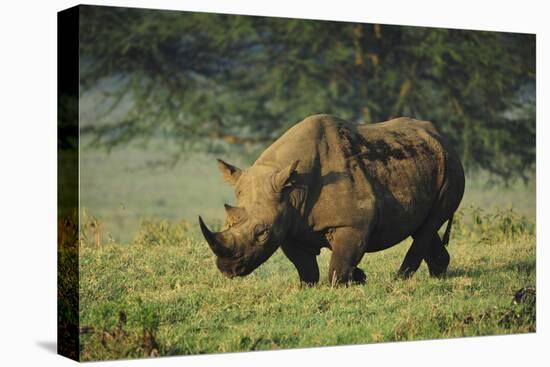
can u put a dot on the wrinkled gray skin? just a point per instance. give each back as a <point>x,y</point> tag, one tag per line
<point>351,188</point>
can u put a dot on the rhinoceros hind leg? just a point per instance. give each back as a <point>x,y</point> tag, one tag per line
<point>415,255</point>
<point>437,257</point>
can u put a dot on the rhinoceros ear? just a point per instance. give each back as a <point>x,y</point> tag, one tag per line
<point>284,177</point>
<point>230,173</point>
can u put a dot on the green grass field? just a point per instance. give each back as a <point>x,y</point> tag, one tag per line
<point>151,288</point>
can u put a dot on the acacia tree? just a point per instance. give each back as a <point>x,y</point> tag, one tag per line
<point>200,77</point>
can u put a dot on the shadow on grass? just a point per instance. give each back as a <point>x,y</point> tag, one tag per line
<point>525,267</point>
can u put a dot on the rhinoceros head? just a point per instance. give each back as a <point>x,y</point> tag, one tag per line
<point>259,222</point>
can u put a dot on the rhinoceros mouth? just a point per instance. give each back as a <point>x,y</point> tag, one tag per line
<point>219,242</point>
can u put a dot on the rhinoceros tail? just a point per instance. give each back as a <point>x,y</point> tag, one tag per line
<point>447,234</point>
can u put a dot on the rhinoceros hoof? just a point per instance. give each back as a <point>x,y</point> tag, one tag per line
<point>359,276</point>
<point>404,274</point>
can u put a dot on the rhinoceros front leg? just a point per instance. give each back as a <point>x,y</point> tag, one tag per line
<point>348,247</point>
<point>304,261</point>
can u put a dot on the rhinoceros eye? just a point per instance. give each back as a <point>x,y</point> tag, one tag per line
<point>261,233</point>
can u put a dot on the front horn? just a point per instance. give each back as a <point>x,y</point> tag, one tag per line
<point>214,242</point>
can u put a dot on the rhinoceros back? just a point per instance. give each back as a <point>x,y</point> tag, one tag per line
<point>390,173</point>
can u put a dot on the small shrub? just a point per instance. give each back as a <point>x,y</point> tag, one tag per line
<point>499,224</point>
<point>91,229</point>
<point>162,232</point>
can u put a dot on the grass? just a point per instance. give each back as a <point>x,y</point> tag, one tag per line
<point>161,294</point>
<point>149,285</point>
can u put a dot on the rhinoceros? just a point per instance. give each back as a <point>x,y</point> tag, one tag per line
<point>352,188</point>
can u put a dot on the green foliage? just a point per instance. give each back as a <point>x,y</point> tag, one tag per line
<point>204,78</point>
<point>174,300</point>
<point>500,224</point>
<point>162,232</point>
